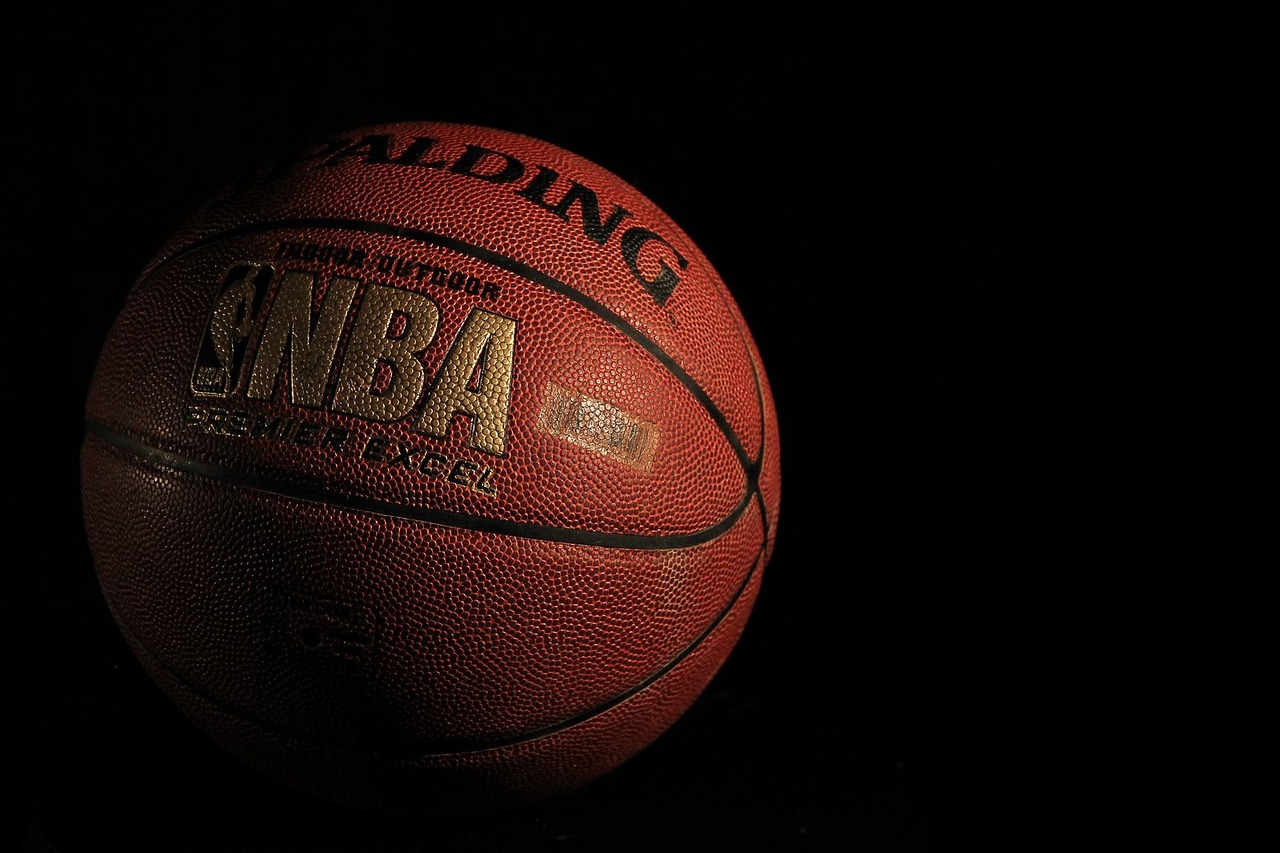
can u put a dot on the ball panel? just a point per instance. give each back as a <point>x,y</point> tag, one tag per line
<point>434,634</point>
<point>476,782</point>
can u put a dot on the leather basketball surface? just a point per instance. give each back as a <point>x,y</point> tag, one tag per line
<point>431,465</point>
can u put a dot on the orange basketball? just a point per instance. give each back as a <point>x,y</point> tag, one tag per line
<point>432,467</point>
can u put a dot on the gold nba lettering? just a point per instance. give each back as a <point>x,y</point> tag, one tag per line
<point>475,380</point>
<point>391,326</point>
<point>374,367</point>
<point>311,347</point>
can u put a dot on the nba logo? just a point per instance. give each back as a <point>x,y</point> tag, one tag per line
<point>221,356</point>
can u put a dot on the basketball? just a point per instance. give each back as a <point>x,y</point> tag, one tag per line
<point>430,467</point>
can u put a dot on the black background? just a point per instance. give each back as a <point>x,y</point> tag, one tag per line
<point>985,265</point>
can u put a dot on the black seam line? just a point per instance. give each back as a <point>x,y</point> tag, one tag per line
<point>753,471</point>
<point>440,749</point>
<point>498,260</point>
<point>309,489</point>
